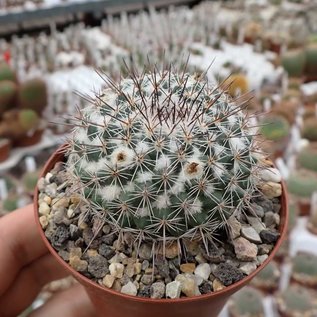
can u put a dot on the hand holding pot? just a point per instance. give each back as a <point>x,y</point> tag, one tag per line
<point>26,266</point>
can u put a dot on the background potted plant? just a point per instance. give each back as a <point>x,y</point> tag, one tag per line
<point>157,202</point>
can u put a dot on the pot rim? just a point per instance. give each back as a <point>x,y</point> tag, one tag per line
<point>55,157</point>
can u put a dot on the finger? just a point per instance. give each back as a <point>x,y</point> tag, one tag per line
<point>73,302</point>
<point>29,283</point>
<point>20,244</point>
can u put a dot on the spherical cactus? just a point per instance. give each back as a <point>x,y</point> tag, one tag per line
<point>236,84</point>
<point>311,59</point>
<point>246,303</point>
<point>302,184</point>
<point>28,120</point>
<point>304,269</point>
<point>164,156</point>
<point>309,129</point>
<point>294,62</point>
<point>307,158</point>
<point>8,91</point>
<point>296,301</point>
<point>6,73</point>
<point>268,279</point>
<point>33,95</point>
<point>274,128</point>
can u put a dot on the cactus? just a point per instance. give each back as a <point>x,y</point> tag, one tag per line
<point>246,303</point>
<point>307,158</point>
<point>163,156</point>
<point>311,59</point>
<point>285,110</point>
<point>309,129</point>
<point>296,301</point>
<point>10,203</point>
<point>305,269</point>
<point>33,95</point>
<point>274,128</point>
<point>29,181</point>
<point>28,120</point>
<point>293,62</point>
<point>268,278</point>
<point>236,84</point>
<point>6,73</point>
<point>8,91</point>
<point>302,184</point>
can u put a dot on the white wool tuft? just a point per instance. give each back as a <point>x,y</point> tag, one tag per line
<point>237,144</point>
<point>142,147</point>
<point>162,162</point>
<point>142,212</point>
<point>162,201</point>
<point>195,172</point>
<point>80,136</point>
<point>195,207</point>
<point>144,177</point>
<point>110,193</point>
<point>127,156</point>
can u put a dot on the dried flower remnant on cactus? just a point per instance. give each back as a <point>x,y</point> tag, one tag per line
<point>164,156</point>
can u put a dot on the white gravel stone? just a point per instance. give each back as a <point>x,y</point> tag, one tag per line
<point>270,175</point>
<point>173,289</point>
<point>188,284</point>
<point>44,209</point>
<point>129,289</point>
<point>248,267</point>
<point>108,280</point>
<point>261,258</point>
<point>235,227</point>
<point>203,270</point>
<point>251,234</point>
<point>158,290</point>
<point>116,269</point>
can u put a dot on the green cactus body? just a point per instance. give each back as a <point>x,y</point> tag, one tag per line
<point>6,73</point>
<point>33,95</point>
<point>311,59</point>
<point>268,278</point>
<point>296,301</point>
<point>310,129</point>
<point>294,62</point>
<point>307,158</point>
<point>274,128</point>
<point>305,269</point>
<point>302,184</point>
<point>8,91</point>
<point>246,303</point>
<point>28,119</point>
<point>164,157</point>
<point>10,204</point>
<point>30,180</point>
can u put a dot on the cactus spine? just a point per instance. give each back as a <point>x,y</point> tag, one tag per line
<point>163,156</point>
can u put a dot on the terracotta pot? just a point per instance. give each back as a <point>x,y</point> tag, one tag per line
<point>304,207</point>
<point>5,147</point>
<point>29,140</point>
<point>109,303</point>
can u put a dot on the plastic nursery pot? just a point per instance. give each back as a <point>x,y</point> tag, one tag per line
<point>109,303</point>
<point>29,140</point>
<point>5,147</point>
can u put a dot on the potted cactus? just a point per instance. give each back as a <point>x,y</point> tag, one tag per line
<point>296,301</point>
<point>156,203</point>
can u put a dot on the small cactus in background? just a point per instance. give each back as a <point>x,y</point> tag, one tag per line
<point>304,269</point>
<point>310,129</point>
<point>312,220</point>
<point>285,110</point>
<point>28,120</point>
<point>302,184</point>
<point>236,84</point>
<point>307,158</point>
<point>33,95</point>
<point>29,181</point>
<point>246,303</point>
<point>10,203</point>
<point>7,73</point>
<point>8,91</point>
<point>311,59</point>
<point>296,301</point>
<point>274,128</point>
<point>267,279</point>
<point>294,62</point>
<point>163,157</point>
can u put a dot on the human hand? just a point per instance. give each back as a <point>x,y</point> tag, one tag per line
<point>26,266</point>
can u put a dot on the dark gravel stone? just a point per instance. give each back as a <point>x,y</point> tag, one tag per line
<point>60,236</point>
<point>162,267</point>
<point>108,239</point>
<point>205,288</point>
<point>79,243</point>
<point>125,279</point>
<point>256,210</point>
<point>269,236</point>
<point>277,208</point>
<point>173,270</point>
<point>214,255</point>
<point>90,239</point>
<point>74,232</point>
<point>106,251</point>
<point>145,291</point>
<point>228,274</point>
<point>98,266</point>
<point>263,201</point>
